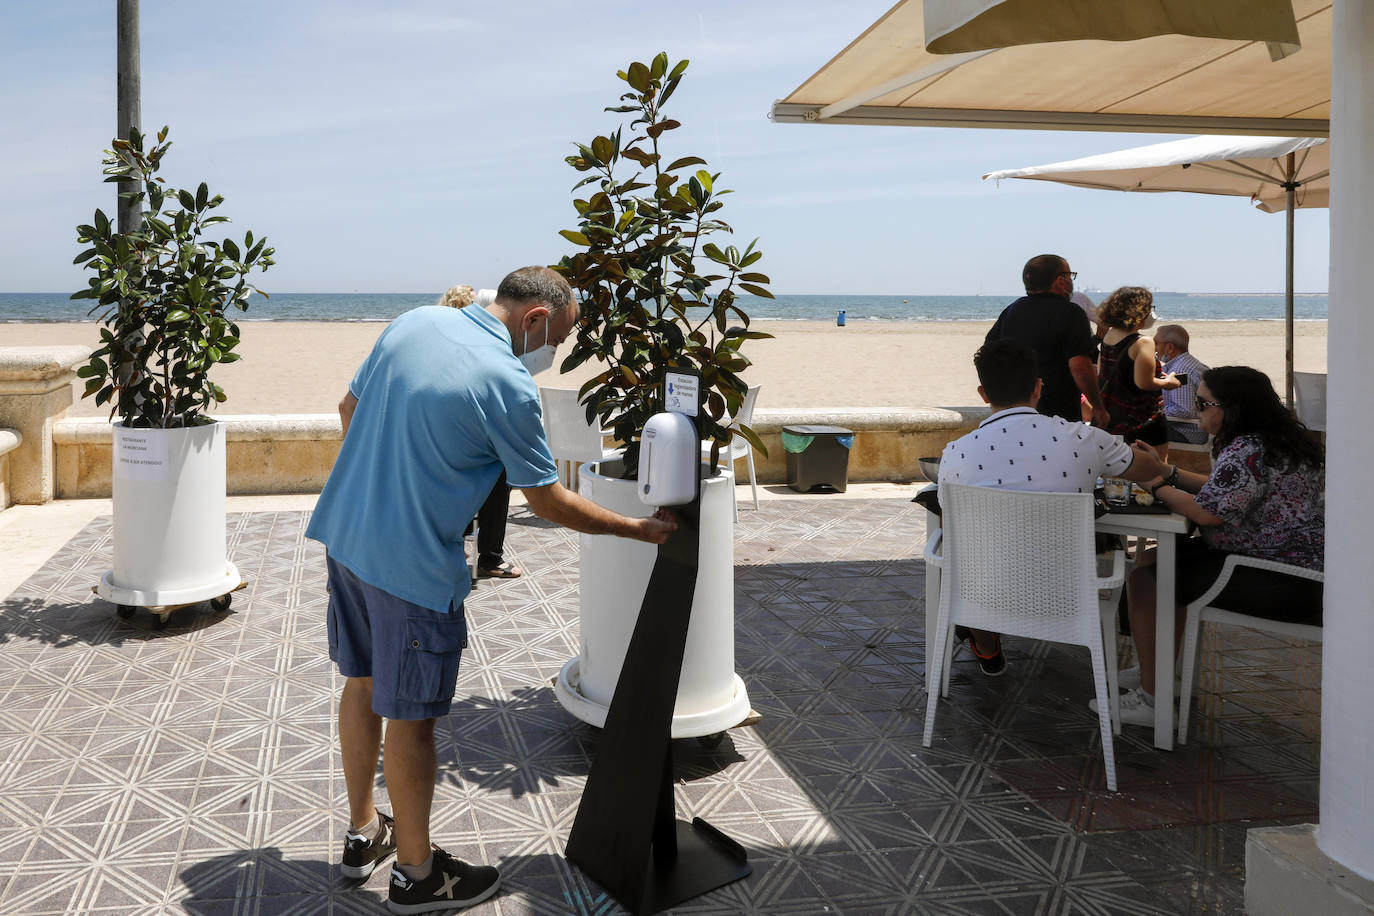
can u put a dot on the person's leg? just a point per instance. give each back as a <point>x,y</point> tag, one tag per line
<point>491,526</point>
<point>360,740</point>
<point>408,762</point>
<point>1140,603</point>
<point>986,643</point>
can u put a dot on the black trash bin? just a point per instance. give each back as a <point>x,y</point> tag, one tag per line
<point>817,456</point>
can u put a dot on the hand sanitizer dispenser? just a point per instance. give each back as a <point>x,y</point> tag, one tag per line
<point>669,455</point>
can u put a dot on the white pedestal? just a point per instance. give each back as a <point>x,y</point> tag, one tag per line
<point>614,577</point>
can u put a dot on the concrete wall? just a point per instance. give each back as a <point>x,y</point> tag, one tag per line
<point>293,453</point>
<point>289,453</point>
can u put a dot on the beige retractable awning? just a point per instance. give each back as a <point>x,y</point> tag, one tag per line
<point>1162,84</point>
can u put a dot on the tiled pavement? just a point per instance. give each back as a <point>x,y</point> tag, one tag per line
<point>194,769</point>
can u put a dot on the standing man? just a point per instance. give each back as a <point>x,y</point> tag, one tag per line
<point>1058,331</point>
<point>442,406</point>
<point>1171,343</point>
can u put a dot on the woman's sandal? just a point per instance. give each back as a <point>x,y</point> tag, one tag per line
<point>504,571</point>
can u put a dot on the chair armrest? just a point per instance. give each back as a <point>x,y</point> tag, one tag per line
<point>1118,574</point>
<point>932,551</point>
<point>1234,560</point>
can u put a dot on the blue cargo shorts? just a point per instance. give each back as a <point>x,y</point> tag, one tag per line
<point>410,652</point>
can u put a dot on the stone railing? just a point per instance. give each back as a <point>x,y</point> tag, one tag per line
<point>292,453</point>
<point>285,453</point>
<point>45,455</point>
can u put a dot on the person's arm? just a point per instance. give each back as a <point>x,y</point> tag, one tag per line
<point>1185,504</point>
<point>1085,377</point>
<point>1143,368</point>
<point>346,407</point>
<point>561,506</point>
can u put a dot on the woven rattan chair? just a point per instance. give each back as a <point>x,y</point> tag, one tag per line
<point>1201,610</point>
<point>1024,564</point>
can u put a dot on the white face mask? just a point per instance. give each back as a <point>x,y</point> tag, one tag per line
<point>539,359</point>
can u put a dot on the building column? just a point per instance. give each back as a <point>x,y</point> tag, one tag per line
<point>1330,868</point>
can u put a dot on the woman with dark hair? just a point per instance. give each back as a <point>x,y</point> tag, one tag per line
<point>1128,372</point>
<point>1264,498</point>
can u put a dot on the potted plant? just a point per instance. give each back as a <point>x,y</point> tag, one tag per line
<point>656,293</point>
<point>163,292</point>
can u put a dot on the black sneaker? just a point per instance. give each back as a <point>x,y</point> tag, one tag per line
<point>993,665</point>
<point>451,885</point>
<point>361,855</point>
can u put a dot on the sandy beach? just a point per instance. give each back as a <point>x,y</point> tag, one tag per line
<point>305,367</point>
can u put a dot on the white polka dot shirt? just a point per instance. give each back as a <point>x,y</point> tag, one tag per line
<point>1020,449</point>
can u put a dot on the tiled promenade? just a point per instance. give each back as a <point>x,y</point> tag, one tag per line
<point>194,770</point>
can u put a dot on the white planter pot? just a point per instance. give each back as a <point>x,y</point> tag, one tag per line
<point>614,575</point>
<point>169,517</point>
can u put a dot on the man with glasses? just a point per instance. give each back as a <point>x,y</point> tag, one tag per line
<point>1171,343</point>
<point>1058,332</point>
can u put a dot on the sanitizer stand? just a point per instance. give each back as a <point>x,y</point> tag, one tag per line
<point>626,836</point>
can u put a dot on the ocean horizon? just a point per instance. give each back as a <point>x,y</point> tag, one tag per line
<point>381,307</point>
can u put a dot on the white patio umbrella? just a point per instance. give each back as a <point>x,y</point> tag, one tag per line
<point>1278,174</point>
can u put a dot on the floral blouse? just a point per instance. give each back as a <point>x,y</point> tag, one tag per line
<point>1274,513</point>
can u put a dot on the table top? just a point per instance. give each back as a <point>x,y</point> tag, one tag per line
<point>1139,522</point>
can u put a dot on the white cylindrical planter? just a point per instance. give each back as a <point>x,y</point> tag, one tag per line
<point>614,576</point>
<point>169,517</point>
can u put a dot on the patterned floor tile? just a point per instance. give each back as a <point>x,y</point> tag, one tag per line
<point>194,769</point>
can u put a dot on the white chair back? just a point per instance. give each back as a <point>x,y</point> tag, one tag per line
<point>571,437</point>
<point>1309,390</point>
<point>1021,563</point>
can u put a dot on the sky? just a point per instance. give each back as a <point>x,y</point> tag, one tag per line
<point>408,146</point>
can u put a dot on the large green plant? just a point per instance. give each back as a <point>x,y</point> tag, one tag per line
<point>163,292</point>
<point>655,293</point>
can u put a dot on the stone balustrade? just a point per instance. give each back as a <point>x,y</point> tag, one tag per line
<point>35,391</point>
<point>45,455</point>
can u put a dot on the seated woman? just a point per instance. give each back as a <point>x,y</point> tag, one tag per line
<point>1264,498</point>
<point>1128,372</point>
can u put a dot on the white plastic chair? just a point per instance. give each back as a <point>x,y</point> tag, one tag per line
<point>739,446</point>
<point>1309,391</point>
<point>1201,610</point>
<point>1024,564</point>
<point>571,438</point>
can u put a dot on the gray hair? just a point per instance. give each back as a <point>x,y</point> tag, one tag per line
<point>1174,334</point>
<point>536,285</point>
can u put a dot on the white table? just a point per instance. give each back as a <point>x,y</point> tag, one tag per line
<point>1163,528</point>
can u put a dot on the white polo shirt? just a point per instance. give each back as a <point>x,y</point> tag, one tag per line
<point>1020,449</point>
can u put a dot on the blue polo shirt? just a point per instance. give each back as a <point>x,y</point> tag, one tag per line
<point>443,407</point>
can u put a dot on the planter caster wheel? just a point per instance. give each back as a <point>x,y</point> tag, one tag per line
<point>124,611</point>
<point>711,741</point>
<point>222,602</point>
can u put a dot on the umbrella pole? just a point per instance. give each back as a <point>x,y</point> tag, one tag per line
<point>1290,188</point>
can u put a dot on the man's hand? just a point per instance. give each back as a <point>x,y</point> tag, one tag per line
<point>1101,417</point>
<point>657,528</point>
<point>1145,465</point>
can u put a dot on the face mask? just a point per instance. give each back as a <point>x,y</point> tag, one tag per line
<point>541,358</point>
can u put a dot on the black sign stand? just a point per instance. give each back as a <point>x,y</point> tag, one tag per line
<point>626,836</point>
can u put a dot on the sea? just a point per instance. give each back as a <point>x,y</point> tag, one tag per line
<point>1170,306</point>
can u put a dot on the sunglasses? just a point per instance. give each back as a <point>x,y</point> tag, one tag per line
<point>1202,405</point>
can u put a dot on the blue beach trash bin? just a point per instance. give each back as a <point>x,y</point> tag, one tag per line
<point>817,457</point>
<point>839,319</point>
